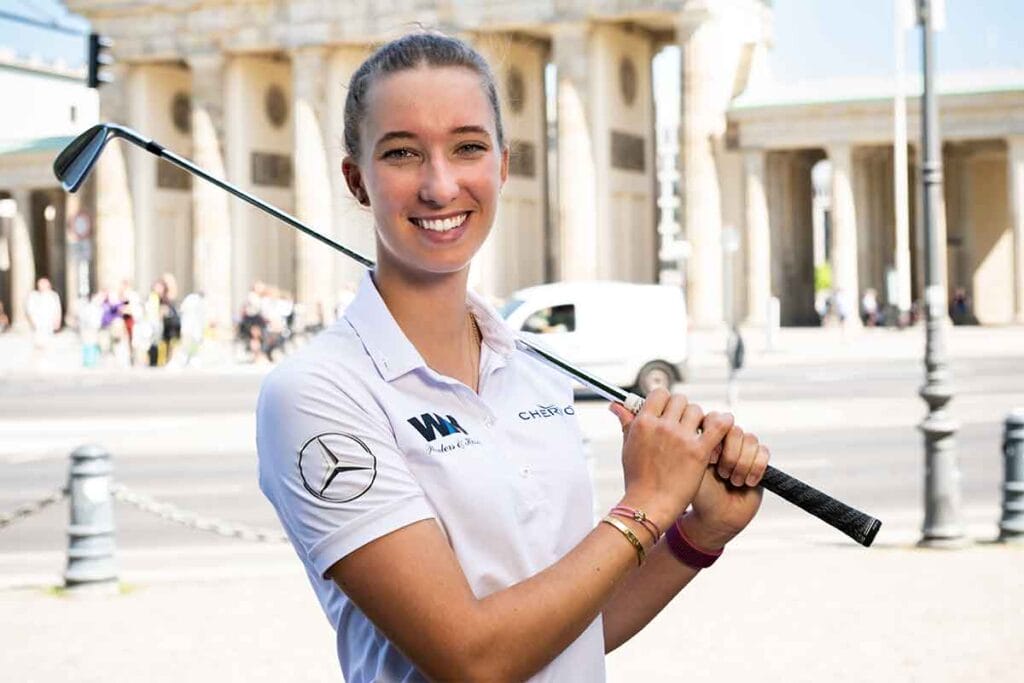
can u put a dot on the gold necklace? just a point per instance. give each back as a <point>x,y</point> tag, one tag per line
<point>476,345</point>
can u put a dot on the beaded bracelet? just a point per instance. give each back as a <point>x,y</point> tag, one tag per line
<point>638,516</point>
<point>686,552</point>
<point>641,554</point>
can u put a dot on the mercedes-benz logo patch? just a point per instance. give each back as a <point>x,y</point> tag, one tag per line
<point>337,468</point>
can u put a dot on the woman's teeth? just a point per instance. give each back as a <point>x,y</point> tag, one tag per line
<point>441,225</point>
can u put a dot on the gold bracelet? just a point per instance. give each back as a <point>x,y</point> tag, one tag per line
<point>641,554</point>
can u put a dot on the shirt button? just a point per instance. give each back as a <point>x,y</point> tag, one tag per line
<point>489,421</point>
<point>524,471</point>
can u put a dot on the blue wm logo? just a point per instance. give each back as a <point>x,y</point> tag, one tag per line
<point>432,425</point>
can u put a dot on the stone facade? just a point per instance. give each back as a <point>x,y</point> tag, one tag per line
<point>254,91</point>
<point>981,126</point>
<point>589,214</point>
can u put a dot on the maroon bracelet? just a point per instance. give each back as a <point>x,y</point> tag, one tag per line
<point>686,552</point>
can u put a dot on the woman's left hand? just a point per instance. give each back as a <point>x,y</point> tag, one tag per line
<point>729,495</point>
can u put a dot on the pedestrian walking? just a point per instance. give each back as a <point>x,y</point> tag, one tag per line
<point>252,325</point>
<point>90,323</point>
<point>735,352</point>
<point>193,327</point>
<point>121,310</point>
<point>960,308</point>
<point>430,475</point>
<point>149,331</point>
<point>44,313</point>
<point>869,307</point>
<point>170,326</point>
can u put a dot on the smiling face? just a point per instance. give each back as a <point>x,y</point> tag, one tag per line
<point>431,168</point>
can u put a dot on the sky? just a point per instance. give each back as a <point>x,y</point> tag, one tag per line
<point>813,39</point>
<point>852,38</point>
<point>48,45</point>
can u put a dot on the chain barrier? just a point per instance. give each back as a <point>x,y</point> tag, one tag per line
<point>175,514</point>
<point>148,504</point>
<point>29,509</point>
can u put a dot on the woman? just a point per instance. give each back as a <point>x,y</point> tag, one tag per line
<point>446,536</point>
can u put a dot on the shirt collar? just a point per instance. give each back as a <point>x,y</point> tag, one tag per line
<point>392,352</point>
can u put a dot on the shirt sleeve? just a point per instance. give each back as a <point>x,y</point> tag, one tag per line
<point>331,467</point>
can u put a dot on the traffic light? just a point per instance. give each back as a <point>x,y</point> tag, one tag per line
<point>99,57</point>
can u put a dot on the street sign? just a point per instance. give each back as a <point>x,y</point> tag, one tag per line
<point>80,226</point>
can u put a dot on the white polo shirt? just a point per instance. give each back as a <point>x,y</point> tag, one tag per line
<point>357,437</point>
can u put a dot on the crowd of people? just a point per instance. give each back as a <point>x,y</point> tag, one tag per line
<point>157,329</point>
<point>266,323</point>
<point>154,330</point>
<point>122,326</point>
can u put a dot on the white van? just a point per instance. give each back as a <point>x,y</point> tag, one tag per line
<point>631,335</point>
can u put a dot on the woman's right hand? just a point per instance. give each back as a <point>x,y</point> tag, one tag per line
<point>664,457</point>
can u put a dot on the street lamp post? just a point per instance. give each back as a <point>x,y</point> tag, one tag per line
<point>943,526</point>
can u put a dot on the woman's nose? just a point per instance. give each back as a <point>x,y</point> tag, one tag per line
<point>440,185</point>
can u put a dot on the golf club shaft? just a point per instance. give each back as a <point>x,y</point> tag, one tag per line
<point>855,524</point>
<point>291,220</point>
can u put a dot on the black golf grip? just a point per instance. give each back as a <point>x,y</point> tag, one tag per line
<point>854,523</point>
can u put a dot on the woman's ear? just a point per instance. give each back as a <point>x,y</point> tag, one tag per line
<point>354,180</point>
<point>504,163</point>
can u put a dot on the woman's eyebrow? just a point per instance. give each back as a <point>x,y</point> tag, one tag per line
<point>406,135</point>
<point>395,135</point>
<point>462,130</point>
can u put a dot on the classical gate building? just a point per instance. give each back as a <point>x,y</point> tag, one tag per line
<point>254,90</point>
<point>785,133</point>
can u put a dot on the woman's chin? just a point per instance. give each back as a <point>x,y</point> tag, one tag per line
<point>429,266</point>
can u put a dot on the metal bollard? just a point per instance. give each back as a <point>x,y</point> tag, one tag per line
<point>91,529</point>
<point>1011,526</point>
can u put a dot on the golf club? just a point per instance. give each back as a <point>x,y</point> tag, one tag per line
<point>72,167</point>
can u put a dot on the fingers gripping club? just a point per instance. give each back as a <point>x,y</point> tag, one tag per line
<point>857,525</point>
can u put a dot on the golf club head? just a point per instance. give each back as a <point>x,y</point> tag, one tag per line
<point>72,166</point>
<point>74,163</point>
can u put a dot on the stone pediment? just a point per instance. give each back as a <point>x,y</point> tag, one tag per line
<point>168,30</point>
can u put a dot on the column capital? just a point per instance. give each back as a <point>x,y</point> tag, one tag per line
<point>309,73</point>
<point>839,151</point>
<point>695,14</point>
<point>569,49</point>
<point>308,54</point>
<point>206,62</point>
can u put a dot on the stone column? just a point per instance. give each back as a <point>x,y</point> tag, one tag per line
<point>844,232</point>
<point>211,222</point>
<point>759,239</point>
<point>314,260</point>
<point>113,211</point>
<point>1015,158</point>
<point>577,170</point>
<point>141,109</point>
<point>23,263</point>
<point>702,214</point>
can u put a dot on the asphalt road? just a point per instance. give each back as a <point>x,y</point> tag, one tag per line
<point>187,439</point>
